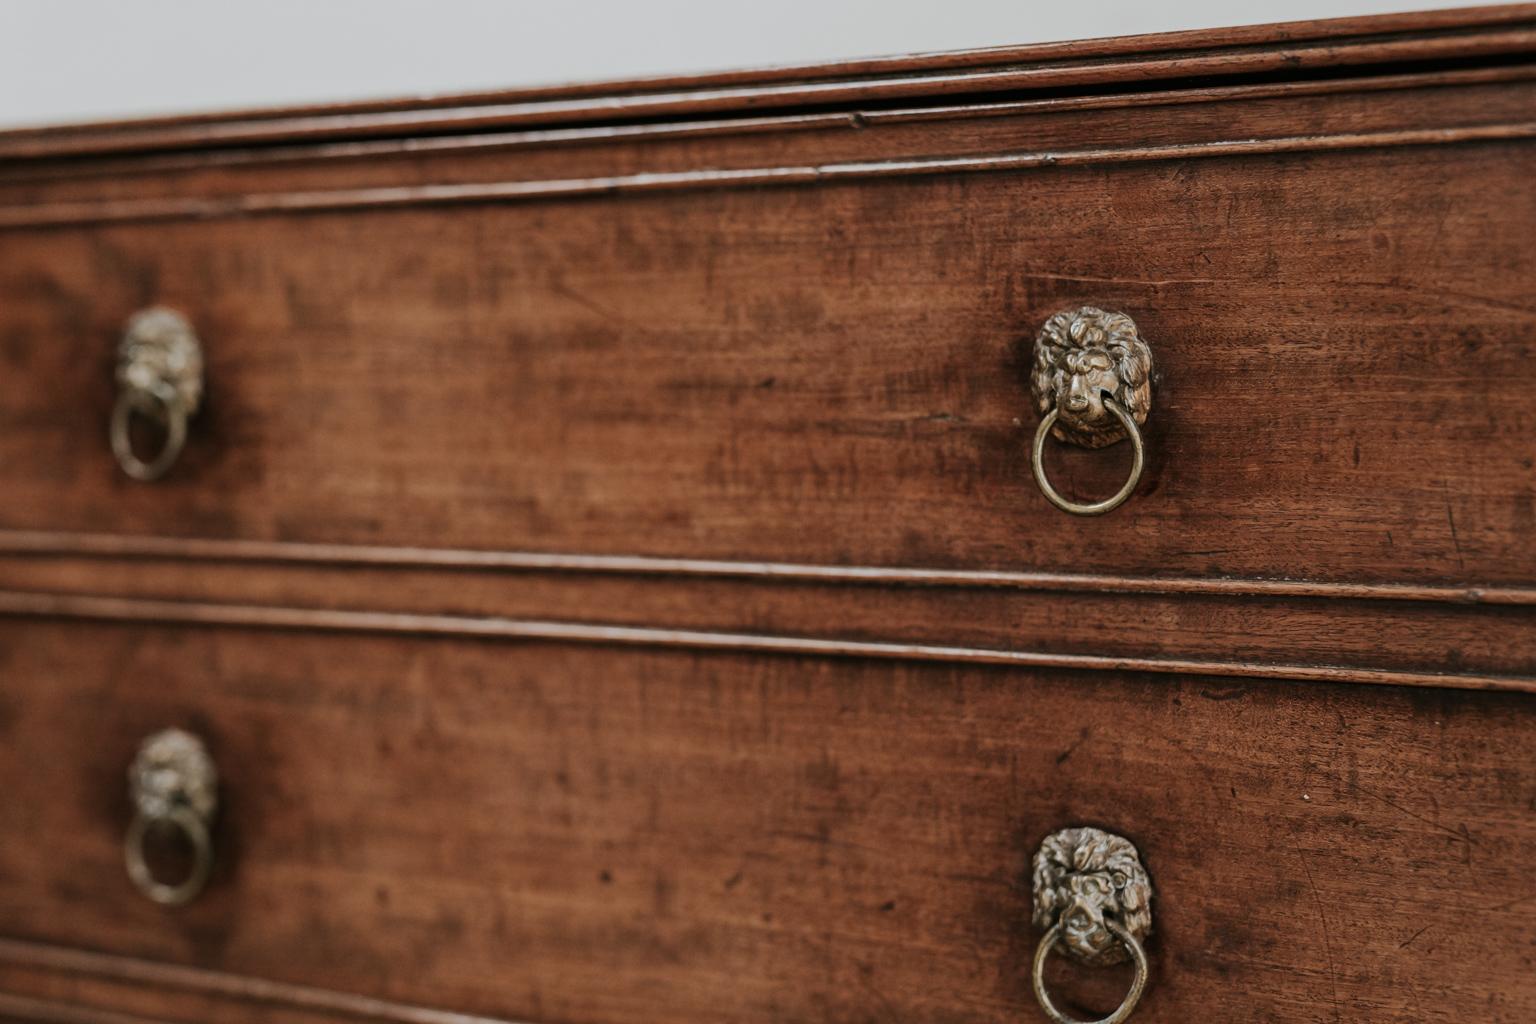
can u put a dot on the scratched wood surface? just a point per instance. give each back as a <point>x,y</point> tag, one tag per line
<point>608,572</point>
<point>828,375</point>
<point>556,834</point>
<point>868,133</point>
<point>1380,636</point>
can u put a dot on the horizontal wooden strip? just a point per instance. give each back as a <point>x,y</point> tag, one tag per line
<point>234,988</point>
<point>756,98</point>
<point>1443,99</point>
<point>1204,94</point>
<point>25,542</point>
<point>1282,34</point>
<point>1245,36</point>
<point>1428,637</point>
<point>476,142</point>
<point>81,213</point>
<point>498,141</point>
<point>112,609</point>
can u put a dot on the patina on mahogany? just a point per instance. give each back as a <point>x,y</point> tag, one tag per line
<point>828,375</point>
<point>547,831</point>
<point>617,501</point>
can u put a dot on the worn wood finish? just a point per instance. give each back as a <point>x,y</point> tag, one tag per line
<point>833,358</point>
<point>1340,637</point>
<point>49,544</point>
<point>221,180</point>
<point>1294,50</point>
<point>69,986</point>
<point>608,572</point>
<point>830,375</point>
<point>557,834</point>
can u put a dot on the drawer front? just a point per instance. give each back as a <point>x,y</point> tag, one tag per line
<point>607,571</point>
<point>831,373</point>
<point>545,832</point>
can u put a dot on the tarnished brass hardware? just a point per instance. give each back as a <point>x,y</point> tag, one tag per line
<point>159,377</point>
<point>1092,384</point>
<point>1094,899</point>
<point>173,785</point>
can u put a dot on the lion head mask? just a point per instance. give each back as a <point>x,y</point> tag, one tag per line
<point>1083,356</point>
<point>1084,876</point>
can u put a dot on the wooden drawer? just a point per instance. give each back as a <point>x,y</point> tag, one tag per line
<point>607,571</point>
<point>834,372</point>
<point>553,833</point>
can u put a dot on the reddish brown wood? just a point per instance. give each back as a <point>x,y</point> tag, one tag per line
<point>831,374</point>
<point>113,548</point>
<point>608,572</point>
<point>1206,633</point>
<point>554,834</point>
<point>26,1010</point>
<point>1093,64</point>
<point>1330,112</point>
<point>1246,35</point>
<point>65,984</point>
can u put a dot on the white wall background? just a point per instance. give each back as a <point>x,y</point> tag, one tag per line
<point>74,60</point>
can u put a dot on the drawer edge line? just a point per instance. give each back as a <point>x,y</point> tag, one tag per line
<point>136,610</point>
<point>241,988</point>
<point>66,214</point>
<point>980,72</point>
<point>115,547</point>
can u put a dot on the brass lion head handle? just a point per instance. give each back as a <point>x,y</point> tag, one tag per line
<point>1094,900</point>
<point>174,787</point>
<point>159,378</point>
<point>1092,384</point>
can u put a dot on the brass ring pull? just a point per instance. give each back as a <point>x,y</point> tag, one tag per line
<point>159,377</point>
<point>1092,384</point>
<point>196,833</point>
<point>160,404</point>
<point>1094,900</point>
<point>173,784</point>
<point>1095,508</point>
<point>1138,984</point>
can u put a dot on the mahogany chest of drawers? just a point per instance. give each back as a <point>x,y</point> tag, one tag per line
<point>591,547</point>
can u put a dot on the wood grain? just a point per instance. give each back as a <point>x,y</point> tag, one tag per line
<point>608,574</point>
<point>1189,114</point>
<point>828,375</point>
<point>68,986</point>
<point>25,1010</point>
<point>107,550</point>
<point>177,551</point>
<point>53,215</point>
<point>1201,632</point>
<point>1292,50</point>
<point>548,833</point>
<point>1258,36</point>
<point>196,613</point>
